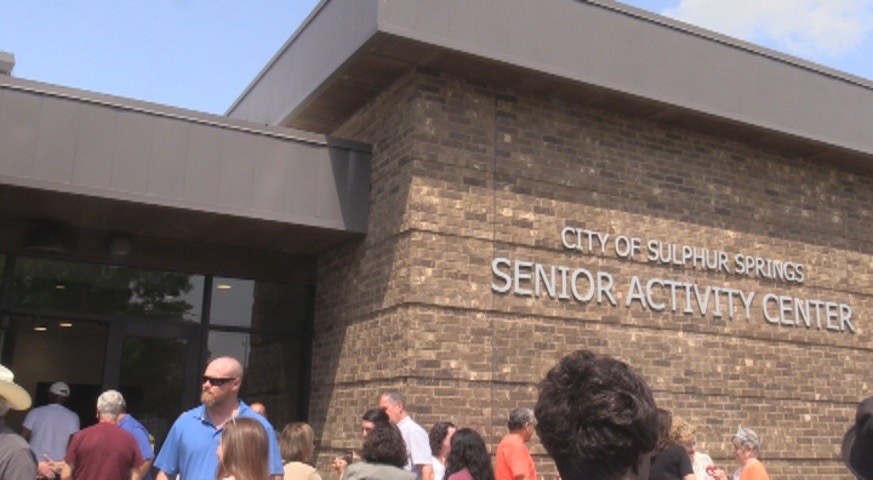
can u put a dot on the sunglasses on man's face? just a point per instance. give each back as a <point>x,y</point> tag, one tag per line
<point>217,381</point>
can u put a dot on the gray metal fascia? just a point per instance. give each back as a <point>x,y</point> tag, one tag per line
<point>593,44</point>
<point>329,37</point>
<point>62,140</point>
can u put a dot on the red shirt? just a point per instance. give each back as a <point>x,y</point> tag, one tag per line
<point>103,452</point>
<point>513,459</point>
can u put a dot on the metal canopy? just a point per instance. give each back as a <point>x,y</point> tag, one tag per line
<point>596,52</point>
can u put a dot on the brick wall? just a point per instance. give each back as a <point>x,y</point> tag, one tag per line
<point>463,174</point>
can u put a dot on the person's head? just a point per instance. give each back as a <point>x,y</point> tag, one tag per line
<point>59,392</point>
<point>468,451</point>
<point>747,445</point>
<point>371,418</point>
<point>221,382</point>
<point>394,404</point>
<point>243,451</point>
<point>440,438</point>
<point>596,418</point>
<point>858,442</point>
<point>297,442</point>
<point>522,422</point>
<point>665,422</point>
<point>385,445</point>
<point>259,408</point>
<point>110,404</point>
<point>12,395</point>
<point>682,433</point>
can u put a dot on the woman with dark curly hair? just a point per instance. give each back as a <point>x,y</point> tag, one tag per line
<point>468,458</point>
<point>384,456</point>
<point>368,423</point>
<point>440,437</point>
<point>596,417</point>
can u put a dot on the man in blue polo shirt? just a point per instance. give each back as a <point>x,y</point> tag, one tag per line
<point>190,447</point>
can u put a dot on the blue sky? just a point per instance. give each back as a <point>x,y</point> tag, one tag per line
<point>201,54</point>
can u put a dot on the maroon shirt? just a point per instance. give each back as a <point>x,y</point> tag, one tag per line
<point>103,452</point>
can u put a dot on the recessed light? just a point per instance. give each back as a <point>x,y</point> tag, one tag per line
<point>65,324</point>
<point>223,286</point>
<point>39,329</point>
<point>60,286</point>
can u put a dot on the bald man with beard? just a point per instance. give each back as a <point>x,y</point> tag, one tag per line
<point>190,447</point>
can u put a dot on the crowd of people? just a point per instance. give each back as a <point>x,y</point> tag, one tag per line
<point>595,417</point>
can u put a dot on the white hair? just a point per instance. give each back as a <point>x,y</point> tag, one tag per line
<point>748,439</point>
<point>4,407</point>
<point>110,403</point>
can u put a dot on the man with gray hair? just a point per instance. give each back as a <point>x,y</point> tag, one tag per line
<point>104,451</point>
<point>418,452</point>
<point>513,460</point>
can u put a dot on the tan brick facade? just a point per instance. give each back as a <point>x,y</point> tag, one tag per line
<point>463,174</point>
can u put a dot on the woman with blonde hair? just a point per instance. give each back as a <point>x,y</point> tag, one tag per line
<point>297,445</point>
<point>243,451</point>
<point>682,433</point>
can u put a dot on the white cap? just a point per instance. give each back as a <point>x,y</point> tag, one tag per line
<point>60,388</point>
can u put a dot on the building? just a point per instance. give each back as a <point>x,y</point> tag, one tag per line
<point>482,189</point>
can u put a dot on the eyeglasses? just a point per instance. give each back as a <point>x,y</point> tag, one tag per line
<point>217,381</point>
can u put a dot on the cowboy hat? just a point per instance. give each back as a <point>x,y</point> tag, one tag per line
<point>16,397</point>
<point>857,448</point>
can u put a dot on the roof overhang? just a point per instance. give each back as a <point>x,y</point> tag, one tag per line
<point>98,162</point>
<point>596,52</point>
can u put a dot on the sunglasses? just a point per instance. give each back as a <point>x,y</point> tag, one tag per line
<point>217,381</point>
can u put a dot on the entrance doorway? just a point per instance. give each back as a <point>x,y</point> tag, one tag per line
<point>149,334</point>
<point>151,364</point>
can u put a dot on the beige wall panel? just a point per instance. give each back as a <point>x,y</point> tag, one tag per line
<point>19,122</point>
<point>328,203</point>
<point>203,169</point>
<point>134,139</point>
<point>95,144</point>
<point>235,184</point>
<point>169,159</point>
<point>56,141</point>
<point>269,174</point>
<point>302,192</point>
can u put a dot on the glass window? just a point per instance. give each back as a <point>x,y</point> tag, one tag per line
<point>260,305</point>
<point>274,371</point>
<point>106,290</point>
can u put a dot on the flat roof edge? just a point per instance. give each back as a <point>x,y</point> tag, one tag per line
<point>603,44</point>
<point>164,111</point>
<point>598,44</point>
<point>732,42</point>
<point>272,62</point>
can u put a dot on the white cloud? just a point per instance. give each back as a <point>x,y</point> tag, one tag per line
<point>809,28</point>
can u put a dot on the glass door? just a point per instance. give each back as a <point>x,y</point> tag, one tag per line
<point>154,367</point>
